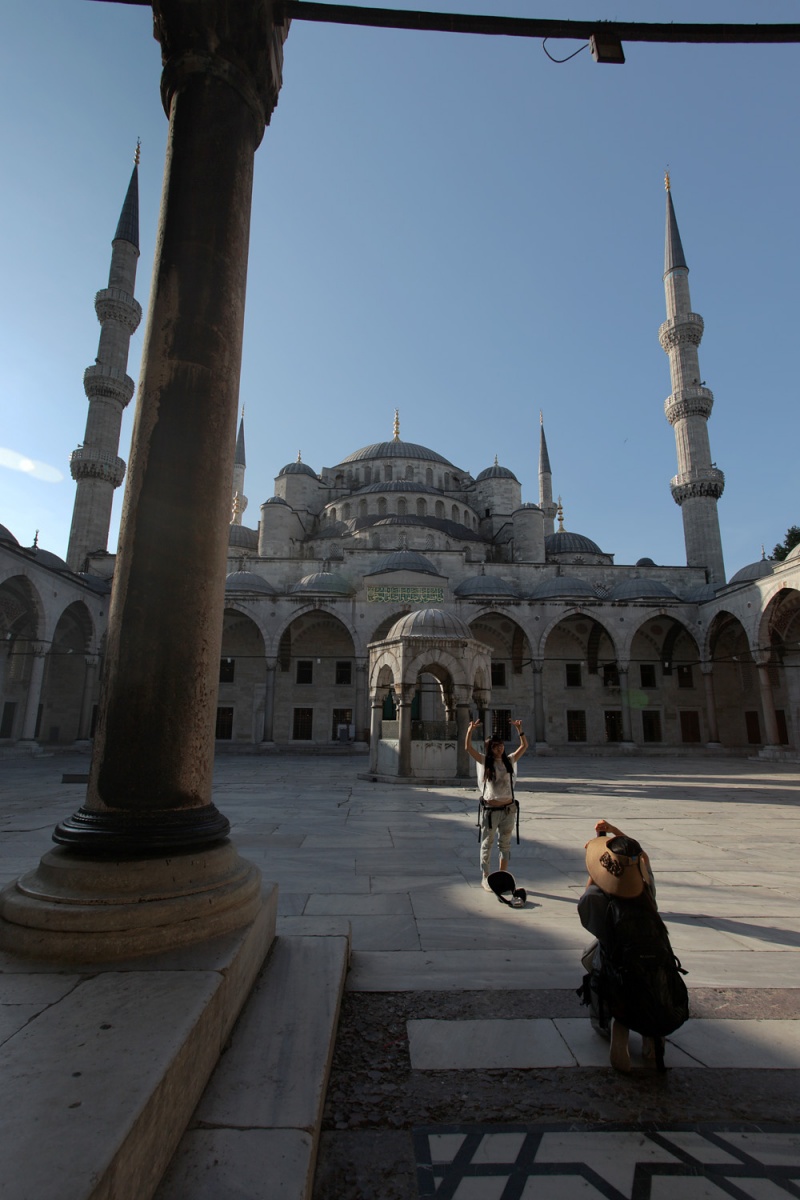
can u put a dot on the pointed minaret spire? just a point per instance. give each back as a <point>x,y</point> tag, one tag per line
<point>96,466</point>
<point>699,484</point>
<point>239,464</point>
<point>545,482</point>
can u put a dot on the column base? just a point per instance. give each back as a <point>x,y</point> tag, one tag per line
<point>90,910</point>
<point>137,833</point>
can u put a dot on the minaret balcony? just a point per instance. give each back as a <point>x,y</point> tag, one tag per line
<point>112,304</point>
<point>108,383</point>
<point>689,402</point>
<point>700,481</point>
<point>687,328</point>
<point>87,462</point>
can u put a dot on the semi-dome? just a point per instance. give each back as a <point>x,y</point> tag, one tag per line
<point>7,536</point>
<point>248,581</point>
<point>496,472</point>
<point>641,589</point>
<point>570,543</point>
<point>327,582</point>
<point>756,570</point>
<point>430,623</point>
<point>396,449</point>
<point>793,553</point>
<point>404,560</point>
<point>297,468</point>
<point>486,585</point>
<point>561,586</point>
<point>242,537</point>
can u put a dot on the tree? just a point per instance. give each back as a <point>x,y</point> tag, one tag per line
<point>791,540</point>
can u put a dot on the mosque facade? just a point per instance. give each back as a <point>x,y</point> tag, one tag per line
<point>384,601</point>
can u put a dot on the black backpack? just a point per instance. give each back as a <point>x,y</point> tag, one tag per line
<point>638,978</point>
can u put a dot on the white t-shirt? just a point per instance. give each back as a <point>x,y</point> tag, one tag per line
<point>497,791</point>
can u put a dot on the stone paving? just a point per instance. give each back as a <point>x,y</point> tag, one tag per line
<point>518,1092</point>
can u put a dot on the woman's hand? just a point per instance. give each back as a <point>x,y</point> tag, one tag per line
<point>602,826</point>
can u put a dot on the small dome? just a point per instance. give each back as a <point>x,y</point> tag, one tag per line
<point>486,585</point>
<point>563,586</point>
<point>756,570</point>
<point>496,472</point>
<point>642,589</point>
<point>7,536</point>
<point>793,553</point>
<point>324,581</point>
<point>570,543</point>
<point>405,560</point>
<point>707,591</point>
<point>240,535</point>
<point>45,558</point>
<point>644,562</point>
<point>248,581</point>
<point>528,506</point>
<point>396,449</point>
<point>297,468</point>
<point>430,623</point>
<point>277,500</point>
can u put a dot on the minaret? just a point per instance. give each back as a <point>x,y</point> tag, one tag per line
<point>239,463</point>
<point>545,482</point>
<point>699,484</point>
<point>96,466</point>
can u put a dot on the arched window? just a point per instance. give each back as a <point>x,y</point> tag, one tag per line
<point>387,473</point>
<point>333,514</point>
<point>439,508</point>
<point>346,515</point>
<point>367,474</point>
<point>447,481</point>
<point>429,476</point>
<point>362,508</point>
<point>422,508</point>
<point>429,541</point>
<point>454,512</point>
<point>409,472</point>
<point>402,507</point>
<point>381,506</point>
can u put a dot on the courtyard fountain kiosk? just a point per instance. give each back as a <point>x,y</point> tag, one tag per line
<point>426,677</point>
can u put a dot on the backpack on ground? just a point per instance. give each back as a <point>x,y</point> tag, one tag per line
<point>638,978</point>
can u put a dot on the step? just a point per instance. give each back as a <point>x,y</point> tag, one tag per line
<point>256,1129</point>
<point>103,1066</point>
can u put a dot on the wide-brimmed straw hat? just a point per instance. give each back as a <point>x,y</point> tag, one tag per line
<point>618,865</point>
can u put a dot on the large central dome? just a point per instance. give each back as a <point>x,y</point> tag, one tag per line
<point>397,449</point>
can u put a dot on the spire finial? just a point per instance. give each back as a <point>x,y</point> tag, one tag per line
<point>560,515</point>
<point>36,540</point>
<point>138,153</point>
<point>666,180</point>
<point>299,459</point>
<point>397,425</point>
<point>496,463</point>
<point>763,555</point>
<point>242,416</point>
<point>541,417</point>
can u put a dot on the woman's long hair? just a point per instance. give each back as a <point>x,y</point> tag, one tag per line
<point>489,761</point>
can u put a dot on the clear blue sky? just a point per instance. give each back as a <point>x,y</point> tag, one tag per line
<point>451,225</point>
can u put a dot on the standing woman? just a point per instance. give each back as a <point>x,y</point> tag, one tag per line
<point>498,807</point>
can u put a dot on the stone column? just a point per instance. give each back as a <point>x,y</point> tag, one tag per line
<point>625,701</point>
<point>376,717</point>
<point>404,732</point>
<point>269,700</point>
<point>33,699</point>
<point>538,702</point>
<point>772,737</point>
<point>360,710</point>
<point>149,795</point>
<point>707,669</point>
<point>87,701</point>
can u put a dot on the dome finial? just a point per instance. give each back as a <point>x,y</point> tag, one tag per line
<point>396,425</point>
<point>666,180</point>
<point>560,515</point>
<point>496,463</point>
<point>299,458</point>
<point>138,153</point>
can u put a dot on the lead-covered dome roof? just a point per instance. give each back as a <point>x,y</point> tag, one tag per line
<point>404,560</point>
<point>756,570</point>
<point>496,472</point>
<point>396,449</point>
<point>570,543</point>
<point>327,582</point>
<point>297,468</point>
<point>240,535</point>
<point>430,623</point>
<point>7,536</point>
<point>641,589</point>
<point>486,585</point>
<point>248,581</point>
<point>563,586</point>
